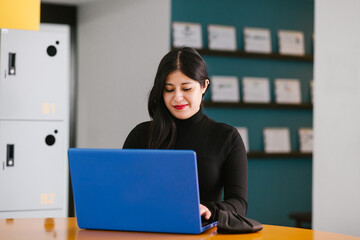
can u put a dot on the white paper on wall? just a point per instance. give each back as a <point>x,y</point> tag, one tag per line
<point>277,140</point>
<point>287,91</point>
<point>225,89</point>
<point>187,35</point>
<point>256,90</point>
<point>257,40</point>
<point>245,137</point>
<point>312,90</point>
<point>222,37</point>
<point>306,138</point>
<point>291,42</point>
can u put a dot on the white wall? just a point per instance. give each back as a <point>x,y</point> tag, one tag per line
<point>120,44</point>
<point>336,166</point>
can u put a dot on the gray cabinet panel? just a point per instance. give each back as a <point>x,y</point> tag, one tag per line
<point>35,179</point>
<point>38,88</point>
<point>34,122</point>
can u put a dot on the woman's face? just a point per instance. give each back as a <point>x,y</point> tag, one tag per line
<point>182,95</point>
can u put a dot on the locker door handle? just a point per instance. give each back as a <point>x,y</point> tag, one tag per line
<point>10,161</point>
<point>12,67</point>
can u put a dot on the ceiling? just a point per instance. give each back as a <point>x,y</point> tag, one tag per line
<point>69,2</point>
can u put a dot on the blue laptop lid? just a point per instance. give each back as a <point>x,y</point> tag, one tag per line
<point>136,190</point>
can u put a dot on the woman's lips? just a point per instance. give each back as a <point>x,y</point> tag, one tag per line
<point>179,107</point>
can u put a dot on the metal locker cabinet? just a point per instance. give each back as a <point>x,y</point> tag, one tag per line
<point>35,179</point>
<point>39,86</point>
<point>34,122</point>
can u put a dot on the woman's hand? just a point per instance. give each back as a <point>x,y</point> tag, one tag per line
<point>204,211</point>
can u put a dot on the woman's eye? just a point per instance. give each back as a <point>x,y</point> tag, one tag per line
<point>169,90</point>
<point>187,89</point>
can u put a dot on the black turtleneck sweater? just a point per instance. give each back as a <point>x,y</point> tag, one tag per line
<point>221,159</point>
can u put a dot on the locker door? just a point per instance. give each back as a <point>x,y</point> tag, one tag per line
<point>34,75</point>
<point>32,174</point>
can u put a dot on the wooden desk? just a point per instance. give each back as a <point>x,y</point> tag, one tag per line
<point>67,229</point>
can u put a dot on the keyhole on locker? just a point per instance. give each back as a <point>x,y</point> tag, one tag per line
<point>50,140</point>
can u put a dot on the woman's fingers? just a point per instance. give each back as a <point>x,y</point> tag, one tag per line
<point>204,211</point>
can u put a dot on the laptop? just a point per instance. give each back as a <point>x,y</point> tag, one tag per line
<point>136,190</point>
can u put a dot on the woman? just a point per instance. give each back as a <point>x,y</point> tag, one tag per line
<point>179,123</point>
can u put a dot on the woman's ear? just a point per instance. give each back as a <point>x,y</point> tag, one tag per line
<point>203,90</point>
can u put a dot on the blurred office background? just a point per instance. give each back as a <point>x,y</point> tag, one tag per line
<point>116,46</point>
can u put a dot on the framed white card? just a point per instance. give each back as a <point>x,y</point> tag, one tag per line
<point>187,35</point>
<point>306,138</point>
<point>312,90</point>
<point>277,140</point>
<point>256,90</point>
<point>245,137</point>
<point>222,37</point>
<point>291,42</point>
<point>225,89</point>
<point>257,40</point>
<point>287,91</point>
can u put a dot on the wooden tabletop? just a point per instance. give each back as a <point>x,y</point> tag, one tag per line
<point>67,229</point>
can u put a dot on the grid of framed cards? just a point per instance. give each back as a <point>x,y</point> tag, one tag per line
<point>256,90</point>
<point>277,139</point>
<point>250,89</point>
<point>224,38</point>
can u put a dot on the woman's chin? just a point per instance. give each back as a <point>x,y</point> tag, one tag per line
<point>182,115</point>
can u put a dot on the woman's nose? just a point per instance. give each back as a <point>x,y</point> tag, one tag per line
<point>178,96</point>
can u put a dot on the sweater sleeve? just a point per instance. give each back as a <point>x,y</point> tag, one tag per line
<point>235,174</point>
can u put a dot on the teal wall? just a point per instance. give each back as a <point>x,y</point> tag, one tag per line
<point>277,187</point>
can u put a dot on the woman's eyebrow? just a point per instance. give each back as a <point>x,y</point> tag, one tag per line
<point>170,84</point>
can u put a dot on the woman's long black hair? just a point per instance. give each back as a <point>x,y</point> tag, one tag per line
<point>163,129</point>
